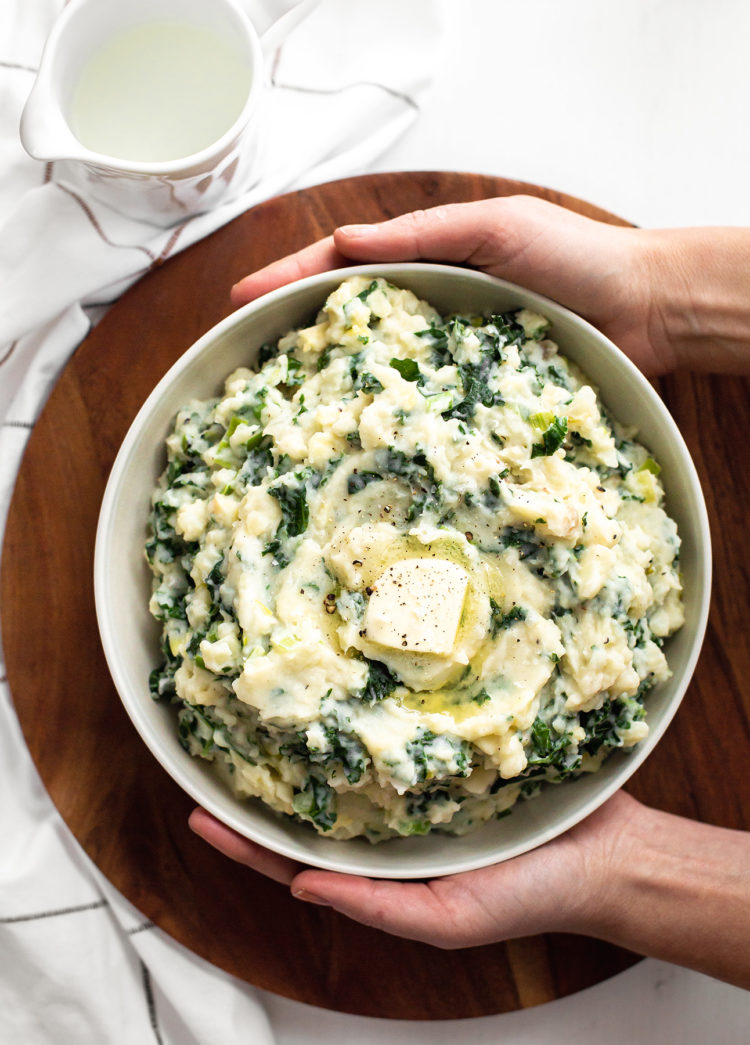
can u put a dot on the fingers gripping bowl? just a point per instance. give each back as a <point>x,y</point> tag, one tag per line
<point>446,672</point>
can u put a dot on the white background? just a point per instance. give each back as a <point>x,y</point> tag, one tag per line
<point>639,106</point>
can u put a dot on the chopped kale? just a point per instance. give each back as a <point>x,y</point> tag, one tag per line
<point>528,544</point>
<point>215,578</point>
<point>604,724</point>
<point>418,807</point>
<point>316,802</point>
<point>500,620</point>
<point>166,545</point>
<point>283,466</point>
<point>295,373</point>
<point>365,382</point>
<point>380,682</point>
<point>324,358</point>
<point>161,679</point>
<point>494,484</point>
<point>265,352</point>
<point>295,513</point>
<point>577,440</point>
<point>508,331</point>
<point>359,480</point>
<point>474,380</point>
<point>196,725</point>
<point>353,439</point>
<point>418,475</point>
<point>318,479</point>
<point>409,370</point>
<point>557,376</point>
<point>428,753</point>
<point>349,751</point>
<point>441,352</point>
<point>549,748</point>
<point>364,294</point>
<point>254,409</point>
<point>600,726</point>
<point>552,438</point>
<point>258,461</point>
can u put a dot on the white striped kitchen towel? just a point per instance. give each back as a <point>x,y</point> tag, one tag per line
<point>78,964</point>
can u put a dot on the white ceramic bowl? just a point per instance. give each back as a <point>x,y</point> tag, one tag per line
<point>130,636</point>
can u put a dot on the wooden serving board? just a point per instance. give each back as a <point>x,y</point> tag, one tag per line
<point>128,814</point>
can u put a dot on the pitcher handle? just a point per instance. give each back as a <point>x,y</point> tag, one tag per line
<point>277,33</point>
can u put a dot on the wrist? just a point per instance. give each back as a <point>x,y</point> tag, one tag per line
<point>679,890</point>
<point>628,870</point>
<point>698,314</point>
<point>592,862</point>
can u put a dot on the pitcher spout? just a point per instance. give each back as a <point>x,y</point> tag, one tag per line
<point>45,134</point>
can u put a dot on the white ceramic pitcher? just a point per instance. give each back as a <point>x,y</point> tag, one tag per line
<point>163,192</point>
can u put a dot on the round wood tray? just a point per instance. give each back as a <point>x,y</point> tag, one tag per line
<point>132,819</point>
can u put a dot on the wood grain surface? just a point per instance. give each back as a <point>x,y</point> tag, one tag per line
<point>121,806</point>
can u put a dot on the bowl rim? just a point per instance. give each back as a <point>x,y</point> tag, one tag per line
<point>229,813</point>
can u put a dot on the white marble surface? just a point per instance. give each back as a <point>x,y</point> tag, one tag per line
<point>637,106</point>
<point>641,108</point>
<point>651,1003</point>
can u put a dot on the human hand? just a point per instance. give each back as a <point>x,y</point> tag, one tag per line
<point>669,299</point>
<point>561,887</point>
<point>597,270</point>
<point>656,883</point>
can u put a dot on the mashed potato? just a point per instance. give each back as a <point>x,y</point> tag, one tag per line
<point>408,570</point>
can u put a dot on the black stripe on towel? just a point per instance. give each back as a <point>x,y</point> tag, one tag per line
<point>139,928</point>
<point>299,89</point>
<point>148,991</point>
<point>12,919</point>
<point>18,65</point>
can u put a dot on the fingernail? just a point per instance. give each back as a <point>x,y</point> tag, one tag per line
<point>302,894</point>
<point>191,819</point>
<point>357,230</point>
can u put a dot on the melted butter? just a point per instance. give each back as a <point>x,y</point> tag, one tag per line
<point>455,702</point>
<point>417,605</point>
<point>379,557</point>
<point>495,581</point>
<point>445,683</point>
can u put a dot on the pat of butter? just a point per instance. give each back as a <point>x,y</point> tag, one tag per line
<point>416,606</point>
